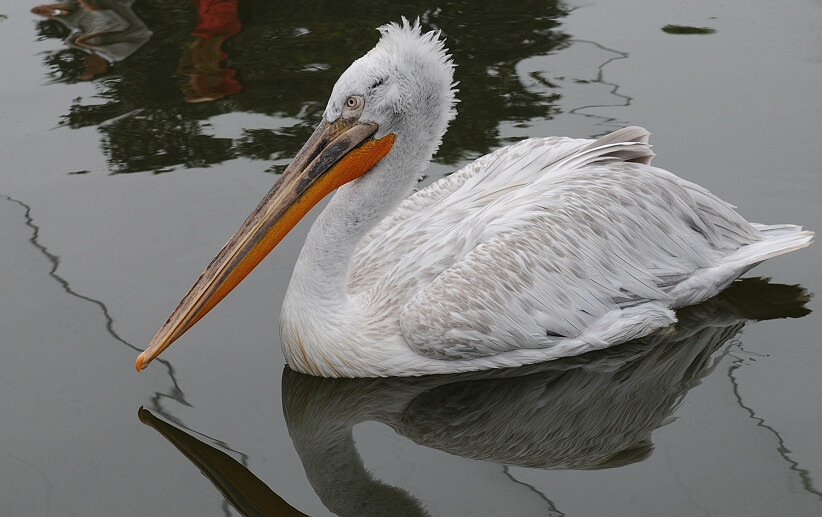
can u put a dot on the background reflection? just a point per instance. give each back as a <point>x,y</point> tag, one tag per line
<point>287,58</point>
<point>101,32</point>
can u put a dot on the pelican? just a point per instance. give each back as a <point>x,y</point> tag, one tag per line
<point>547,248</point>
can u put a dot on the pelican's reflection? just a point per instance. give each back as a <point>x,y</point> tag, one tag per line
<point>589,412</point>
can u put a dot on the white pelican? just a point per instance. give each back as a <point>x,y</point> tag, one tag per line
<point>550,247</point>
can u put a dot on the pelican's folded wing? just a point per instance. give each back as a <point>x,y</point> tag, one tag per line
<point>503,298</point>
<point>453,198</point>
<point>584,256</point>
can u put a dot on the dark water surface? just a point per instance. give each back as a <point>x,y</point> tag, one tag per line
<point>135,139</point>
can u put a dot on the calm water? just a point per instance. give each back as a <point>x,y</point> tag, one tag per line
<point>116,189</point>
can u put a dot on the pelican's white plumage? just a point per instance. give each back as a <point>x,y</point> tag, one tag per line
<point>547,248</point>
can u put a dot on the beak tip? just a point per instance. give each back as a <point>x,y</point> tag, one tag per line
<point>141,363</point>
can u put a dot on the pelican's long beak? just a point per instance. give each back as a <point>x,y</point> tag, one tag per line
<point>337,152</point>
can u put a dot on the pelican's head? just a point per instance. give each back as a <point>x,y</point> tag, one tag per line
<point>395,101</point>
<point>405,85</point>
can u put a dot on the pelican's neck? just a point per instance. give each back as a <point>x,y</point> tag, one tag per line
<point>322,270</point>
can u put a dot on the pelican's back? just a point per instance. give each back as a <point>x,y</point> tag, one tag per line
<point>553,247</point>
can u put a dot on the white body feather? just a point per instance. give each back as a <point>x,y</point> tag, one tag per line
<point>547,248</point>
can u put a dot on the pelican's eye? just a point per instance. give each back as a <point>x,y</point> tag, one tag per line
<point>353,106</point>
<point>353,102</point>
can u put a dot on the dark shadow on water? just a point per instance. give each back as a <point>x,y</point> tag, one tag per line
<point>595,411</point>
<point>687,30</point>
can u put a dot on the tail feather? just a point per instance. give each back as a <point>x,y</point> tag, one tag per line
<point>779,239</point>
<point>707,282</point>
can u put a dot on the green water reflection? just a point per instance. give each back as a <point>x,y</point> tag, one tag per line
<point>285,60</point>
